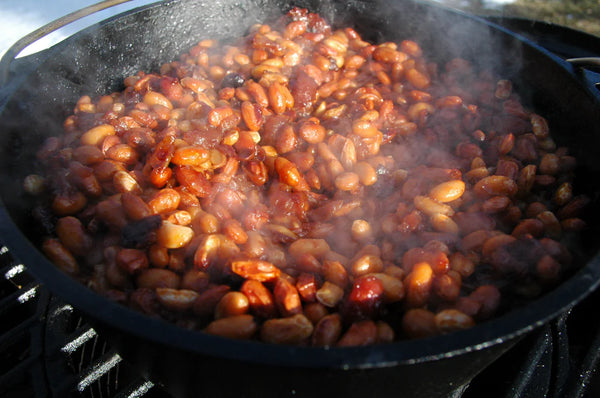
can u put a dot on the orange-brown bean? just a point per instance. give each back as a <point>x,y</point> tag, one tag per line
<point>164,201</point>
<point>260,299</point>
<point>232,304</point>
<point>287,298</point>
<point>258,270</point>
<point>335,272</point>
<point>447,191</point>
<point>418,284</point>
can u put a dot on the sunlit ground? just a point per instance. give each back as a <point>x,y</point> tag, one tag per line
<point>19,17</point>
<point>582,15</point>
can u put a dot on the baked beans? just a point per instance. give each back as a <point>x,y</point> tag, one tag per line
<point>301,185</point>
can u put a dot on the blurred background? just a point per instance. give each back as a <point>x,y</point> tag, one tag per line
<point>20,17</point>
<point>577,14</point>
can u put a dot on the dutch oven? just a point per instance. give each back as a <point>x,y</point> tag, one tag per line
<point>42,89</point>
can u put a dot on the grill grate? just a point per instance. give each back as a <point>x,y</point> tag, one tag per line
<point>47,349</point>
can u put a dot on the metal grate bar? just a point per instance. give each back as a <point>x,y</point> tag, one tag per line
<point>98,369</point>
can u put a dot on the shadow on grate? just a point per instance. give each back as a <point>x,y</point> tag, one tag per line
<point>47,349</point>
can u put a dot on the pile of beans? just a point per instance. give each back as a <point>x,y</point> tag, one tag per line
<point>303,186</point>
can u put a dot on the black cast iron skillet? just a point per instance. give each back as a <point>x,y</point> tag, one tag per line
<point>41,92</point>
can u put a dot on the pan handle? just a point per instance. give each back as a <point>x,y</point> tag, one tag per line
<point>588,63</point>
<point>585,62</point>
<point>34,36</point>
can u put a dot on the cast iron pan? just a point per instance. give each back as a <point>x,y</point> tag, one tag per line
<point>42,90</point>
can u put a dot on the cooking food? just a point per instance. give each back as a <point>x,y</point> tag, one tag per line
<point>303,186</point>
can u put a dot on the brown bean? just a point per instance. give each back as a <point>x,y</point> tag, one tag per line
<point>287,171</point>
<point>219,114</point>
<point>526,178</point>
<point>495,204</point>
<point>447,286</point>
<point>327,331</point>
<point>291,330</point>
<point>347,181</point>
<point>366,173</point>
<point>208,299</point>
<point>364,128</point>
<point>329,294</point>
<point>239,327</point>
<point>60,256</point>
<point>207,251</point>
<point>495,186</point>
<point>563,194</point>
<point>366,264</point>
<point>529,226</point>
<point>132,260</point>
<point>443,223</point>
<point>158,277</point>
<point>552,227</point>
<point>419,323</point>
<point>488,296</point>
<point>88,155</point>
<point>312,132</point>
<point>573,224</point>
<point>548,269</point>
<point>451,320</point>
<point>194,280</point>
<point>73,236</point>
<point>494,243</point>
<point>315,311</point>
<point>417,78</point>
<point>122,153</point>
<point>280,98</point>
<point>306,284</point>
<point>155,98</point>
<point>96,135</point>
<point>190,156</point>
<point>431,207</point>
<point>316,247</point>
<point>176,299</point>
<point>69,203</point>
<point>359,334</point>
<point>393,288</point>
<point>335,272</point>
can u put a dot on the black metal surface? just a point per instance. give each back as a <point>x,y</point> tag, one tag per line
<point>62,356</point>
<point>106,53</point>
